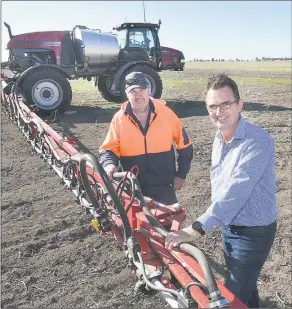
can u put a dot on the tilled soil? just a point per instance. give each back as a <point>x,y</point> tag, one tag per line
<point>52,258</point>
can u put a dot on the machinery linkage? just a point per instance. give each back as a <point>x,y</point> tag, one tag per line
<point>139,224</point>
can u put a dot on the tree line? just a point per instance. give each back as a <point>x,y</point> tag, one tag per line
<point>238,59</point>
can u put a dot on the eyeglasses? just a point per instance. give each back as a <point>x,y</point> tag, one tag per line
<point>223,106</point>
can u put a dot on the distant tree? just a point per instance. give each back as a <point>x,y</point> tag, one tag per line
<point>212,59</point>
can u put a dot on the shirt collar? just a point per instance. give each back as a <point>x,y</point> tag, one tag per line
<point>239,131</point>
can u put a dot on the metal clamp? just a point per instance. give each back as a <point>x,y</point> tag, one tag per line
<point>221,303</point>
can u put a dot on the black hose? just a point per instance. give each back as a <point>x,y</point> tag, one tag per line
<point>156,225</point>
<point>97,166</point>
<point>190,249</point>
<point>147,237</point>
<point>200,257</point>
<point>203,287</point>
<point>152,286</point>
<point>121,186</point>
<point>17,60</point>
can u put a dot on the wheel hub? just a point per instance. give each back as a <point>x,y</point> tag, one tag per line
<point>47,94</point>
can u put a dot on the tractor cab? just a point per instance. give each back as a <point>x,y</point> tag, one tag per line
<point>140,37</point>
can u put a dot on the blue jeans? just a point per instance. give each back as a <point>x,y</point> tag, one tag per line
<point>245,250</point>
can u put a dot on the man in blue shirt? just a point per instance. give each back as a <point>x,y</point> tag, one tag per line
<point>243,192</point>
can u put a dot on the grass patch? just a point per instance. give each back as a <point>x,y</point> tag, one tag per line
<point>82,86</point>
<point>179,83</point>
<point>261,66</point>
<point>248,81</point>
<point>86,94</point>
<point>258,81</point>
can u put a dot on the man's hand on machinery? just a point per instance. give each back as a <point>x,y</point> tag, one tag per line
<point>110,169</point>
<point>173,239</point>
<point>178,183</point>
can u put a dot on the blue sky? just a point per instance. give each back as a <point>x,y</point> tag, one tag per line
<point>219,29</point>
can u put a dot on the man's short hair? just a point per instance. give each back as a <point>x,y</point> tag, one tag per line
<point>135,80</point>
<point>221,81</point>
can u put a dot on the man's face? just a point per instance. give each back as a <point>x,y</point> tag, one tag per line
<point>225,120</point>
<point>139,98</point>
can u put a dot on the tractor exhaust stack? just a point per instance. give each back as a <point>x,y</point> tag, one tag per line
<point>9,30</point>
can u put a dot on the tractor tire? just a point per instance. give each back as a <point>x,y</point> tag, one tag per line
<point>152,76</point>
<point>47,89</point>
<point>104,83</point>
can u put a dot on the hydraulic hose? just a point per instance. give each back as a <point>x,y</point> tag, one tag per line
<point>152,286</point>
<point>156,225</point>
<point>190,249</point>
<point>122,184</point>
<point>84,158</point>
<point>200,257</point>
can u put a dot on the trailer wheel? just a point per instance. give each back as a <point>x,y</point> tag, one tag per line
<point>47,89</point>
<point>152,76</point>
<point>104,85</point>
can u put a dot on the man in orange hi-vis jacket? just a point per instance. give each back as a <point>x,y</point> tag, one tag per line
<point>142,133</point>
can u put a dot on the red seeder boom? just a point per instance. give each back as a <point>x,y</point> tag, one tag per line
<point>139,224</point>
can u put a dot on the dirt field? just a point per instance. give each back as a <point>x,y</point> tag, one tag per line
<point>51,257</point>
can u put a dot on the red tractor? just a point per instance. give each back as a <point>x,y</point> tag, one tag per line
<point>43,62</point>
<point>172,59</point>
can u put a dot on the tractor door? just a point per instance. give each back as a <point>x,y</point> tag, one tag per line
<point>147,39</point>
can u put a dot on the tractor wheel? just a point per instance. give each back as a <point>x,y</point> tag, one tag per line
<point>104,85</point>
<point>152,76</point>
<point>47,89</point>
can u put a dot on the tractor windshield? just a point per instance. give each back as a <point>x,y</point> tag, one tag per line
<point>141,37</point>
<point>136,37</point>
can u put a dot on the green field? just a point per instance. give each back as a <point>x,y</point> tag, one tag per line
<point>185,83</point>
<point>267,66</point>
<point>247,81</point>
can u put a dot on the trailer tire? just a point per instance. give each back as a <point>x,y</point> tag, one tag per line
<point>103,84</point>
<point>47,89</point>
<point>153,78</point>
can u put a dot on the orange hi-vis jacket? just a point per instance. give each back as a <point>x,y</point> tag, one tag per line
<point>150,148</point>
